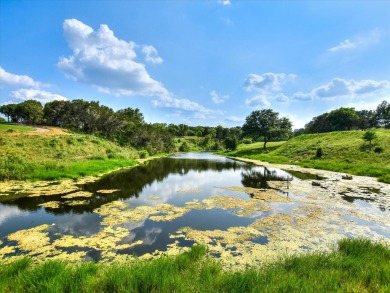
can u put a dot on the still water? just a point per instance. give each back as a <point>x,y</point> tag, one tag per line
<point>174,202</point>
<point>167,183</point>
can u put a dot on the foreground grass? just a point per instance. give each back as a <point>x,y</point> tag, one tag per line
<point>40,157</point>
<point>344,151</point>
<point>358,266</point>
<point>7,126</point>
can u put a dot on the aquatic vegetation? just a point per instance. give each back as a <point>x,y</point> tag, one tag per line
<point>50,204</point>
<point>78,194</point>
<point>107,191</point>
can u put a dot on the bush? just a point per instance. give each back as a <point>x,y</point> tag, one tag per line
<point>231,143</point>
<point>184,147</point>
<point>143,154</point>
<point>319,153</point>
<point>378,150</point>
<point>247,141</point>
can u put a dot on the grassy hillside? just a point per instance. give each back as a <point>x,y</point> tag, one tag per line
<point>47,157</point>
<point>358,266</point>
<point>6,126</point>
<point>344,151</point>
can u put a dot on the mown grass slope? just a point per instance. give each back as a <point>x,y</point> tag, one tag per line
<point>49,157</point>
<point>343,151</point>
<point>358,266</point>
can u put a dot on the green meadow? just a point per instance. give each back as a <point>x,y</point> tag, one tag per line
<point>14,127</point>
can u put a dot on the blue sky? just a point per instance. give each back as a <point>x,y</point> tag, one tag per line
<point>198,62</point>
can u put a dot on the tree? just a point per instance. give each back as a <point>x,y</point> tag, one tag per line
<point>369,135</point>
<point>231,143</point>
<point>9,110</point>
<point>266,123</point>
<point>382,114</point>
<point>343,119</point>
<point>30,111</point>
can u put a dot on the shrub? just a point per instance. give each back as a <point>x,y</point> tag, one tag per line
<point>184,147</point>
<point>143,154</point>
<point>10,130</point>
<point>319,153</point>
<point>247,141</point>
<point>231,143</point>
<point>369,135</point>
<point>378,150</point>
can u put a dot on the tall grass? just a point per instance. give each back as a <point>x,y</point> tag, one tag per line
<point>358,266</point>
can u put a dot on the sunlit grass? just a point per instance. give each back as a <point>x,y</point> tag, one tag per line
<point>62,156</point>
<point>7,126</point>
<point>358,266</point>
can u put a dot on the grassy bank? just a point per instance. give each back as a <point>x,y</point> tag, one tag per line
<point>357,266</point>
<point>49,157</point>
<point>344,151</point>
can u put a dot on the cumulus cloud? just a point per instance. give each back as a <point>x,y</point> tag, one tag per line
<point>347,44</point>
<point>267,82</point>
<point>10,79</point>
<point>259,101</point>
<point>338,88</point>
<point>151,54</point>
<point>280,97</point>
<point>36,94</point>
<point>180,104</point>
<point>218,99</point>
<point>101,59</point>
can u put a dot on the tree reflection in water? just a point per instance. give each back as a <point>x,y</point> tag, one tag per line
<point>258,179</point>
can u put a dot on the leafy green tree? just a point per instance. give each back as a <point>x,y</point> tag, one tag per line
<point>382,115</point>
<point>343,119</point>
<point>54,113</point>
<point>231,143</point>
<point>369,135</point>
<point>266,123</point>
<point>9,111</point>
<point>30,111</point>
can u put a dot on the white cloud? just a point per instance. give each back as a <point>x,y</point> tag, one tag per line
<point>102,60</point>
<point>280,97</point>
<point>361,41</point>
<point>217,99</point>
<point>259,101</point>
<point>151,54</point>
<point>180,104</point>
<point>36,94</point>
<point>10,79</point>
<point>347,44</point>
<point>267,82</point>
<point>340,88</point>
<point>225,2</point>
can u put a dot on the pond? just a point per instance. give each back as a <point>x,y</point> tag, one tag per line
<point>167,205</point>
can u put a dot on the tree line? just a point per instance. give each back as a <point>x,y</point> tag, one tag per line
<point>125,126</point>
<point>349,119</point>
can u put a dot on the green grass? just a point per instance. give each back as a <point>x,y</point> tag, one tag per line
<point>344,151</point>
<point>6,126</point>
<point>40,157</point>
<point>357,266</point>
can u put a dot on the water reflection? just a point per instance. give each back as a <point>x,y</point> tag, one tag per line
<point>259,178</point>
